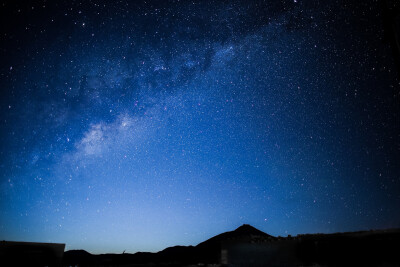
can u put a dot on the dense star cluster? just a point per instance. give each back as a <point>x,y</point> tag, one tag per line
<point>137,125</point>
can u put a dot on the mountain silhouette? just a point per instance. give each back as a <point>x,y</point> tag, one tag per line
<point>210,249</point>
<point>245,231</point>
<point>206,252</point>
<point>247,245</point>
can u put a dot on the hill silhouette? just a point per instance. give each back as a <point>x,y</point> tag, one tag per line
<point>244,231</point>
<point>247,245</point>
<point>210,249</point>
<point>205,252</point>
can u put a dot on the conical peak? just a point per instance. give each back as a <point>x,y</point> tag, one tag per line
<point>248,229</point>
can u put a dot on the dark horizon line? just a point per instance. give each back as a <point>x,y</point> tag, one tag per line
<point>385,230</point>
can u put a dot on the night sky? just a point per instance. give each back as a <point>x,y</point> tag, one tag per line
<point>138,125</point>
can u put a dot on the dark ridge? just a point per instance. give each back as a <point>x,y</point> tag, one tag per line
<point>243,231</point>
<point>78,252</point>
<point>210,249</point>
<point>247,229</point>
<point>249,246</point>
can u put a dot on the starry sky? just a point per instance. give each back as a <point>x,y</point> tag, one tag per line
<point>138,125</point>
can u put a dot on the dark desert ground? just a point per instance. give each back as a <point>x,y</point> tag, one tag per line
<point>245,246</point>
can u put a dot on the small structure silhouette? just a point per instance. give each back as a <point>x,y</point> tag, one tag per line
<point>31,253</point>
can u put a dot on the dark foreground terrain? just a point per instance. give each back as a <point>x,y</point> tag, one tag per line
<point>245,246</point>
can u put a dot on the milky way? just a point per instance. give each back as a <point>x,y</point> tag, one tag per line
<point>140,125</point>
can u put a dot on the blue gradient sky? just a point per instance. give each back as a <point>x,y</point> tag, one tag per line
<point>141,125</point>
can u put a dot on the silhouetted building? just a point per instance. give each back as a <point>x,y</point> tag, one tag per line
<point>31,254</point>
